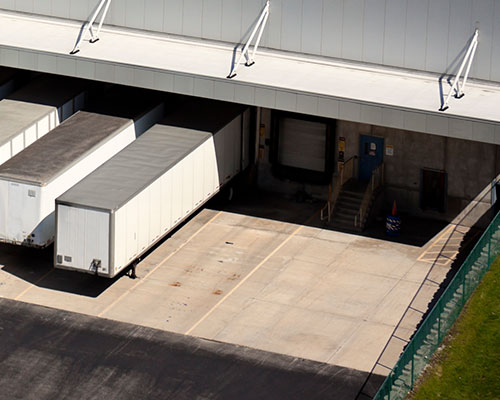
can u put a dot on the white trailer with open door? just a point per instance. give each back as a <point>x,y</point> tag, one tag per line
<point>34,110</point>
<point>32,180</point>
<point>114,215</point>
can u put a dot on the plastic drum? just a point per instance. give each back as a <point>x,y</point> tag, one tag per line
<point>392,226</point>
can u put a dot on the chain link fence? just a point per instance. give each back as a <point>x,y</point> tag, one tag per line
<point>428,337</point>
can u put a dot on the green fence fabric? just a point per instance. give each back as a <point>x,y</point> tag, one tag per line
<point>428,337</point>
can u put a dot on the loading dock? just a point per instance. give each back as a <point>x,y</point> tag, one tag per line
<point>119,211</point>
<point>275,286</point>
<point>32,180</point>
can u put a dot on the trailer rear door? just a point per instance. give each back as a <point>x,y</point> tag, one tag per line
<point>82,239</point>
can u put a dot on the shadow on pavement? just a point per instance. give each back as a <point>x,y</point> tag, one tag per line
<point>304,210</point>
<point>52,354</point>
<point>35,266</point>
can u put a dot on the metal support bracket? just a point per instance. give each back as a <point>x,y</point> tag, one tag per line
<point>259,26</point>
<point>457,88</point>
<point>89,26</point>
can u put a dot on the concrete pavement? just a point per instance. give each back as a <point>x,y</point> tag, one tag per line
<point>300,291</point>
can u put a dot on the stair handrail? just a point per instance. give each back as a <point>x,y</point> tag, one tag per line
<point>376,180</point>
<point>346,171</point>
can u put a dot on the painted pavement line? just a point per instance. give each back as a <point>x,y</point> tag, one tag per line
<point>33,284</point>
<point>188,332</point>
<point>128,291</point>
<point>451,227</point>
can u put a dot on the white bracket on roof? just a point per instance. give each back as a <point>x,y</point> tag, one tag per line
<point>261,23</point>
<point>89,26</point>
<point>458,88</point>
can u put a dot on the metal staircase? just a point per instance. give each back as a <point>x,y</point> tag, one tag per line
<point>347,206</point>
<point>350,201</point>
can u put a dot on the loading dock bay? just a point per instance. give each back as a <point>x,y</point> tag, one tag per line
<point>293,289</point>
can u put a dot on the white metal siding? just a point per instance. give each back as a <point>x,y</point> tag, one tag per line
<point>42,222</point>
<point>79,226</point>
<point>40,128</point>
<point>417,34</point>
<point>23,209</point>
<point>4,206</point>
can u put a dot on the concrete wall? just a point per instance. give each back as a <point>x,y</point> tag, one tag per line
<point>417,34</point>
<point>471,166</point>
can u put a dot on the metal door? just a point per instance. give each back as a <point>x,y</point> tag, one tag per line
<point>371,154</point>
<point>17,213</point>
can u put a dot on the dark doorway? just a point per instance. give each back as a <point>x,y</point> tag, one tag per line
<point>302,147</point>
<point>371,155</point>
<point>433,189</point>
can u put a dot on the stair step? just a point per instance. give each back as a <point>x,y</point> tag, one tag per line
<point>346,210</point>
<point>354,195</point>
<point>343,217</point>
<point>349,202</point>
<point>345,227</point>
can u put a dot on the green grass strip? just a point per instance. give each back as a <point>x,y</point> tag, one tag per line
<point>468,365</point>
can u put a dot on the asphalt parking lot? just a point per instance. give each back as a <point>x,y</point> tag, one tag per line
<point>296,290</point>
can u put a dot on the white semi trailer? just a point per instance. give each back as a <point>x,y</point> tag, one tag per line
<point>32,180</point>
<point>113,216</point>
<point>34,110</point>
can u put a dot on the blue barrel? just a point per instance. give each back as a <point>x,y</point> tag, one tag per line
<point>392,226</point>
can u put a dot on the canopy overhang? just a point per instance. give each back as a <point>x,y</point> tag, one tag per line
<point>300,83</point>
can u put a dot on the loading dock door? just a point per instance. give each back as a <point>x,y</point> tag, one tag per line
<point>370,155</point>
<point>302,144</point>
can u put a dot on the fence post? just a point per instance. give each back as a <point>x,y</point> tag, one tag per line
<point>463,289</point>
<point>412,364</point>
<point>489,245</point>
<point>439,326</point>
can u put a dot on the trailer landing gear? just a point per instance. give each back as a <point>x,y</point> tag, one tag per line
<point>132,273</point>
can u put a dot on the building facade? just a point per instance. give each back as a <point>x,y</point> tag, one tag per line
<point>334,81</point>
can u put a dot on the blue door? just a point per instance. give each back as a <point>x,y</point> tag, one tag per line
<point>371,155</point>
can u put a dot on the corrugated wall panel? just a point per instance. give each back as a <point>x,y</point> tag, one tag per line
<point>436,55</point>
<point>482,17</point>
<point>231,20</point>
<point>42,7</point>
<point>373,31</point>
<point>495,54</point>
<point>291,28</point>
<point>192,17</point>
<point>352,29</point>
<point>134,14</point>
<point>312,20</point>
<point>153,15</point>
<point>416,34</point>
<point>332,26</point>
<point>273,29</point>
<point>212,19</point>
<point>60,8</point>
<point>173,16</point>
<point>394,41</point>
<point>460,16</point>
<point>24,5</point>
